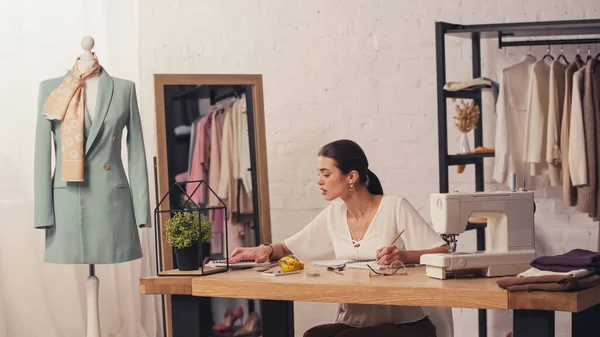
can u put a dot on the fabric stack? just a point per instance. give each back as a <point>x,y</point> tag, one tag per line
<point>575,270</point>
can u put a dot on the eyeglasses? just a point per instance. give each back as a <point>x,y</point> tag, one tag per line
<point>337,270</point>
<point>390,270</point>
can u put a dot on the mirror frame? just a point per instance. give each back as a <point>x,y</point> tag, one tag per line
<point>263,207</point>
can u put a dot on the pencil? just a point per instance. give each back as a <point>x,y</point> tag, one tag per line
<point>397,237</point>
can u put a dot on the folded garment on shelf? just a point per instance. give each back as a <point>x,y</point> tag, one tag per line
<point>574,259</point>
<point>473,84</point>
<point>548,283</point>
<point>577,273</point>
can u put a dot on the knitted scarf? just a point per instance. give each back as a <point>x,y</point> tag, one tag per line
<point>66,104</point>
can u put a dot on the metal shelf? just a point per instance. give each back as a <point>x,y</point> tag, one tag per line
<point>526,29</point>
<point>508,35</point>
<point>465,94</point>
<point>466,159</point>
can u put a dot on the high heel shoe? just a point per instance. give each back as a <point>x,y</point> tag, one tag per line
<point>251,327</point>
<point>229,319</point>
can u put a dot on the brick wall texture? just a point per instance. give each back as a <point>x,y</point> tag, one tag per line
<point>363,70</point>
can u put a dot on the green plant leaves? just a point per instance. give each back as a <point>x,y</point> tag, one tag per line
<point>186,228</point>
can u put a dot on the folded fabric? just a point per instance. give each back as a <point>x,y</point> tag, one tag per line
<point>574,259</point>
<point>548,283</point>
<point>577,273</point>
<point>472,84</point>
<point>476,83</point>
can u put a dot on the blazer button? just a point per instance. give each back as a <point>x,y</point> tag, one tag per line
<point>114,139</point>
<point>106,167</point>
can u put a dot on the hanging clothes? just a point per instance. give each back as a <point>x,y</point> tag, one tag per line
<point>534,148</point>
<point>587,195</point>
<point>217,215</point>
<point>242,163</point>
<point>216,140</point>
<point>238,199</point>
<point>511,113</point>
<point>556,96</point>
<point>569,191</point>
<point>577,154</point>
<point>198,163</point>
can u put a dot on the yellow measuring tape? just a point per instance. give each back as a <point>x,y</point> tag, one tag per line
<point>290,263</point>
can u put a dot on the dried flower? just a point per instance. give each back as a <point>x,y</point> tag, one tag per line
<point>467,115</point>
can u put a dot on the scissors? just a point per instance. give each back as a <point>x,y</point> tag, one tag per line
<point>337,270</point>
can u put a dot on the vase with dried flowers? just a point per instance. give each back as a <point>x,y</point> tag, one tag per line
<point>466,116</point>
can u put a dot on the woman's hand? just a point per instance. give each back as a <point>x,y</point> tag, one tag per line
<point>258,254</point>
<point>390,254</point>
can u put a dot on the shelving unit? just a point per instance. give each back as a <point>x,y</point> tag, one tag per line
<point>501,32</point>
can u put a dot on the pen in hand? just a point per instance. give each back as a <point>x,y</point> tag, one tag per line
<point>393,241</point>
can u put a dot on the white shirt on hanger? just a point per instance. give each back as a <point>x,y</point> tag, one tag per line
<point>534,147</point>
<point>511,114</point>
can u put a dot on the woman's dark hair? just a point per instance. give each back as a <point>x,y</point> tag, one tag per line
<point>349,157</point>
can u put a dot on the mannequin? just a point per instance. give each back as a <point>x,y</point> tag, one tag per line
<point>92,283</point>
<point>91,84</point>
<point>88,205</point>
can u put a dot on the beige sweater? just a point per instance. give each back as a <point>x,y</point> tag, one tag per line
<point>577,161</point>
<point>556,96</point>
<point>569,192</point>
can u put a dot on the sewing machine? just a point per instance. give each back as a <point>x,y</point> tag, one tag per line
<point>509,239</point>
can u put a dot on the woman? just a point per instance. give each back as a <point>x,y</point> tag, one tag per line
<point>360,225</point>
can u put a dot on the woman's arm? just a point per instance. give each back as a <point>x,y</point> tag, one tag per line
<point>276,251</point>
<point>414,256</point>
<point>390,254</point>
<point>261,253</point>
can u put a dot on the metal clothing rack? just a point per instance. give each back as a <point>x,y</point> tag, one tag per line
<point>508,35</point>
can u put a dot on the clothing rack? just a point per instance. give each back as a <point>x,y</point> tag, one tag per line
<point>501,31</point>
<point>238,90</point>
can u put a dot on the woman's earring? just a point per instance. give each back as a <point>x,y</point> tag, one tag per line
<point>351,187</point>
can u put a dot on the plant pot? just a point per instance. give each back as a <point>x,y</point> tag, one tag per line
<point>188,258</point>
<point>465,148</point>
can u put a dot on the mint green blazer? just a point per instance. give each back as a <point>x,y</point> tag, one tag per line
<point>95,221</point>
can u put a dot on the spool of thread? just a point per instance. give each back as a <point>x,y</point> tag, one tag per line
<point>513,181</point>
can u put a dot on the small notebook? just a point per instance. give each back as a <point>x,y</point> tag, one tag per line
<point>355,264</point>
<point>242,263</point>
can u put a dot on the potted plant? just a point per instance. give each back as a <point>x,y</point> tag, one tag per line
<point>185,231</point>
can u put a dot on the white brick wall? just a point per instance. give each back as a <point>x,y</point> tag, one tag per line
<point>353,69</point>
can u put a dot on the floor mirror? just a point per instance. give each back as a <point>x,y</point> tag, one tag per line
<point>211,128</point>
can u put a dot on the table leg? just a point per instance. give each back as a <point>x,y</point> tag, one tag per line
<point>586,323</point>
<point>533,323</point>
<point>277,318</point>
<point>191,316</point>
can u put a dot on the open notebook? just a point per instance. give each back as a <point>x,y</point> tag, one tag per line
<point>243,263</point>
<point>354,264</point>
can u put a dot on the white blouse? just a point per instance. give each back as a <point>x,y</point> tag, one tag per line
<point>511,116</point>
<point>328,237</point>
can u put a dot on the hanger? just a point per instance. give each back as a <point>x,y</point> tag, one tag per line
<point>548,54</point>
<point>562,56</point>
<point>589,53</point>
<point>578,57</point>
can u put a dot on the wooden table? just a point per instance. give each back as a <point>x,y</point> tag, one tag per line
<point>533,315</point>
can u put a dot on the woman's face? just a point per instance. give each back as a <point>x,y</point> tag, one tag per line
<point>332,182</point>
